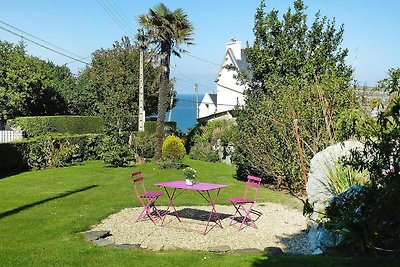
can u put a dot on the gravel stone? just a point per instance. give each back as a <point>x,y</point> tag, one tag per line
<point>278,226</point>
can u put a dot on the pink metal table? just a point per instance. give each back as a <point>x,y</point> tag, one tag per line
<point>203,189</point>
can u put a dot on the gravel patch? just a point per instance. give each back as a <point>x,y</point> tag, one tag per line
<point>278,226</point>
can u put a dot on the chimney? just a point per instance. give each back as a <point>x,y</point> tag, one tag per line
<point>236,47</point>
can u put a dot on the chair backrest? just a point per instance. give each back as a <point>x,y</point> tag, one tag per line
<point>138,182</point>
<point>252,186</point>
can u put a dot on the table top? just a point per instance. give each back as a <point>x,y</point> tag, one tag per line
<point>181,184</point>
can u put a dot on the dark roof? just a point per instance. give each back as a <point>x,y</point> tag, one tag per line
<point>243,64</point>
<point>213,98</point>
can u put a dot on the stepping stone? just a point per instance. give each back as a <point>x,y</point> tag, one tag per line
<point>93,235</point>
<point>273,251</point>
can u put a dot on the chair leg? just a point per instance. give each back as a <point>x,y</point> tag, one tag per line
<point>146,210</point>
<point>157,211</point>
<point>245,216</point>
<point>237,207</point>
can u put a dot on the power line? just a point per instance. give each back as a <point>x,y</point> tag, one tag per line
<point>121,15</point>
<point>204,60</point>
<point>45,47</point>
<point>191,101</point>
<point>115,16</point>
<point>37,38</point>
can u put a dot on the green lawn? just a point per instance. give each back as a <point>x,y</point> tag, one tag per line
<point>42,215</point>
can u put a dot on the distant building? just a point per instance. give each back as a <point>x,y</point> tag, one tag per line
<point>229,93</point>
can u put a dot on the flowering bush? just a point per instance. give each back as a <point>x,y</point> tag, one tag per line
<point>189,173</point>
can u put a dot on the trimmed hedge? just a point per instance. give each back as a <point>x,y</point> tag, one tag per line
<point>35,126</point>
<point>151,126</point>
<point>48,151</point>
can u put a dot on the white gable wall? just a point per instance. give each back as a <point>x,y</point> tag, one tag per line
<point>206,106</point>
<point>229,93</point>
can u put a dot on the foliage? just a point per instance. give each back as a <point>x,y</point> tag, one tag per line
<point>189,173</point>
<point>12,157</point>
<point>143,143</point>
<point>166,30</point>
<point>35,126</point>
<point>111,86</point>
<point>48,151</point>
<point>298,72</point>
<point>208,138</point>
<point>150,126</point>
<point>173,152</point>
<point>30,86</point>
<point>115,151</point>
<point>375,225</point>
<point>343,177</point>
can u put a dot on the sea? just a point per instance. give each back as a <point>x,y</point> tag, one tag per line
<point>184,113</point>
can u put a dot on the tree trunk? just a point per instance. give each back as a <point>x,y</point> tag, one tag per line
<point>162,98</point>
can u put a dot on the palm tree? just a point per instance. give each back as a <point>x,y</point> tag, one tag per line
<point>167,30</point>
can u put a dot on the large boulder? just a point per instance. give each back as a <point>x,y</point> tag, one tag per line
<point>318,189</point>
<point>319,192</point>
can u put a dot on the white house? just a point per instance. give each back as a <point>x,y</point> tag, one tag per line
<point>230,92</point>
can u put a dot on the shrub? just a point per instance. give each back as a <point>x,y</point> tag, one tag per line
<point>143,144</point>
<point>115,150</point>
<point>173,152</point>
<point>343,177</point>
<point>35,126</point>
<point>209,138</point>
<point>150,126</point>
<point>48,151</point>
<point>12,157</point>
<point>371,221</point>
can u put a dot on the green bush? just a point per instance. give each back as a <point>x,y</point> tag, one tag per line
<point>208,138</point>
<point>150,126</point>
<point>173,152</point>
<point>343,177</point>
<point>143,144</point>
<point>48,151</point>
<point>115,150</point>
<point>12,157</point>
<point>370,221</point>
<point>35,126</point>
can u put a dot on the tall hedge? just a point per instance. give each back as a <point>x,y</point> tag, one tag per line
<point>48,151</point>
<point>35,126</point>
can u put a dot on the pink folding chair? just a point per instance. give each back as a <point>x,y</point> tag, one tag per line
<point>245,203</point>
<point>146,198</point>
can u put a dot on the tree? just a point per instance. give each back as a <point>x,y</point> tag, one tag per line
<point>167,30</point>
<point>295,68</point>
<point>30,86</point>
<point>110,87</point>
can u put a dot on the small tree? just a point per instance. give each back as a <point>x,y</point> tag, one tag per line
<point>295,68</point>
<point>173,152</point>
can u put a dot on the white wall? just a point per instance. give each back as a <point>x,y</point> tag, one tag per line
<point>206,107</point>
<point>229,93</point>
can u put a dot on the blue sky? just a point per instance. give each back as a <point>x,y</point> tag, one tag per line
<point>372,31</point>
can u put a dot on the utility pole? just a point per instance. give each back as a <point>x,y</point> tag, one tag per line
<point>141,86</point>
<point>170,104</point>
<point>196,86</point>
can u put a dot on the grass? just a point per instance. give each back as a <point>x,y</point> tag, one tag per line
<point>42,215</point>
